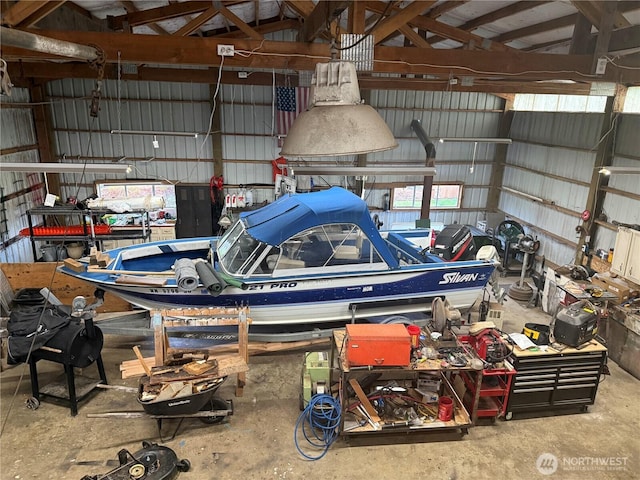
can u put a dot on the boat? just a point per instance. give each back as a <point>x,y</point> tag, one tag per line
<point>304,258</point>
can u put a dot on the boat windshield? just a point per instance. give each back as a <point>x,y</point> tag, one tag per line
<point>238,251</point>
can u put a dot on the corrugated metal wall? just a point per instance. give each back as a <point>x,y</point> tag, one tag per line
<point>552,158</point>
<point>132,105</point>
<point>19,191</point>
<point>623,204</point>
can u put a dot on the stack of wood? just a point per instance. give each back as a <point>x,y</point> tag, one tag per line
<point>98,258</point>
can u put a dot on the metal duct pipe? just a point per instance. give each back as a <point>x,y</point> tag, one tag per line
<point>38,43</point>
<point>430,150</point>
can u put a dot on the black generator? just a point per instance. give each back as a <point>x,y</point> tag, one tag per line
<point>455,242</point>
<point>576,324</point>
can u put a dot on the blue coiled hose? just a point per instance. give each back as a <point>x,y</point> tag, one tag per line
<point>320,424</point>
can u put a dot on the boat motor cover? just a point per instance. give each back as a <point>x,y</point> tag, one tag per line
<point>31,327</point>
<point>455,243</point>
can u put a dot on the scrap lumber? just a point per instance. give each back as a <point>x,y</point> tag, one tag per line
<point>74,265</point>
<point>134,280</point>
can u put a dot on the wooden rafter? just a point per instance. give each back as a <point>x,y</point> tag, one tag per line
<point>431,25</point>
<point>195,23</point>
<point>594,11</point>
<point>357,16</point>
<point>27,13</point>
<point>173,10</point>
<point>445,7</point>
<point>414,37</point>
<point>493,16</point>
<point>301,7</point>
<point>238,22</point>
<point>321,17</point>
<point>556,23</point>
<point>131,7</point>
<point>267,26</point>
<point>394,22</point>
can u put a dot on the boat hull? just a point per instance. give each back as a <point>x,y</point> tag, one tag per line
<point>330,298</point>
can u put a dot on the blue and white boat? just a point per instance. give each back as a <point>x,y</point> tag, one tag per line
<point>305,258</point>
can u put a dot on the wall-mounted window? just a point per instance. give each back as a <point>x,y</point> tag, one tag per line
<point>442,196</point>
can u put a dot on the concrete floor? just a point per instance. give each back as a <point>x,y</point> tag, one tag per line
<point>257,441</point>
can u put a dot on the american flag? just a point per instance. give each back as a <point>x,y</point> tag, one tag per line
<point>290,101</point>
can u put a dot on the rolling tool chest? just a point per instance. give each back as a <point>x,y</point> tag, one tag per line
<point>554,380</point>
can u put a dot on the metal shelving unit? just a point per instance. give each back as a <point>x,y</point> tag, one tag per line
<point>88,219</point>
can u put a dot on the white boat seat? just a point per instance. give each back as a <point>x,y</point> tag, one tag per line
<point>347,252</point>
<point>286,262</point>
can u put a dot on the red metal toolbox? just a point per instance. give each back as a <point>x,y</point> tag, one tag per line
<point>378,345</point>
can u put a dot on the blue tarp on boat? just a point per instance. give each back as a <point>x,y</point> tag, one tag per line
<point>291,214</point>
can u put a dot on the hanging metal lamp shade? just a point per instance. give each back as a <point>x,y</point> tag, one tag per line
<point>337,122</point>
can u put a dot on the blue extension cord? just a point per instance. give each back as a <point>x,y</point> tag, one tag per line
<point>322,417</point>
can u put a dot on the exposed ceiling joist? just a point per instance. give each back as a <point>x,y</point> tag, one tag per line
<point>594,12</point>
<point>401,17</point>
<point>131,7</point>
<point>21,72</point>
<point>195,51</point>
<point>414,37</point>
<point>267,26</point>
<point>445,7</point>
<point>494,16</point>
<point>304,8</point>
<point>238,22</point>
<point>196,22</point>
<point>27,13</point>
<point>173,10</point>
<point>357,15</point>
<point>322,15</point>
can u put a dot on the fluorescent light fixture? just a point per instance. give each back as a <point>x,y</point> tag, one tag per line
<point>64,167</point>
<point>619,170</point>
<point>475,140</point>
<point>356,171</point>
<point>154,133</point>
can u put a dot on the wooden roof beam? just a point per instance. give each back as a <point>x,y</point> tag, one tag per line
<point>195,23</point>
<point>357,15</point>
<point>490,17</point>
<point>304,8</point>
<point>415,38</point>
<point>445,7</point>
<point>268,26</point>
<point>431,25</point>
<point>143,17</point>
<point>238,22</point>
<point>549,25</point>
<point>27,13</point>
<point>23,72</point>
<point>131,7</point>
<point>322,15</point>
<point>391,24</point>
<point>594,12</point>
<point>194,51</point>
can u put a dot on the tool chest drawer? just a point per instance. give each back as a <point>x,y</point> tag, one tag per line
<point>546,381</point>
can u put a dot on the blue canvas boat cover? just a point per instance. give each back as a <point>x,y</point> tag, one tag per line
<point>294,213</point>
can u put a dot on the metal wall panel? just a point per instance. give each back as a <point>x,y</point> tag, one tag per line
<point>18,130</point>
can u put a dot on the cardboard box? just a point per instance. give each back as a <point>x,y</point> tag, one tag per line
<point>617,286</point>
<point>378,345</point>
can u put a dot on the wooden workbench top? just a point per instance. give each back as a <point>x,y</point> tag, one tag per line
<point>591,347</point>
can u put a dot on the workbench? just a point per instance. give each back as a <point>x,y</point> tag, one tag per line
<point>555,380</point>
<point>461,420</point>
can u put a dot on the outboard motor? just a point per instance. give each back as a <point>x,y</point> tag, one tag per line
<point>455,243</point>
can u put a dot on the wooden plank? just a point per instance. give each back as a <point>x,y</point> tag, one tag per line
<point>151,15</point>
<point>159,342</point>
<point>146,368</point>
<point>133,280</point>
<point>322,15</point>
<point>366,404</point>
<point>21,10</point>
<point>65,287</point>
<point>238,22</point>
<point>197,22</point>
<point>393,23</point>
<point>414,37</point>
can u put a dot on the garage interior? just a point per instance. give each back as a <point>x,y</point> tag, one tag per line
<point>476,134</point>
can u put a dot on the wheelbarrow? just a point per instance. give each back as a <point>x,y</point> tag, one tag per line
<point>204,405</point>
